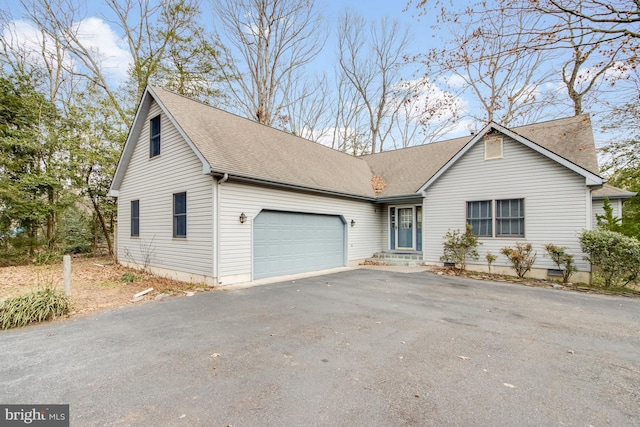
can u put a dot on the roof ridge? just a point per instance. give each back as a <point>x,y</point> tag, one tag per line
<point>253,122</point>
<point>514,129</point>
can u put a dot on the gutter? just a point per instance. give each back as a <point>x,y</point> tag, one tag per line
<point>275,184</point>
<point>406,197</point>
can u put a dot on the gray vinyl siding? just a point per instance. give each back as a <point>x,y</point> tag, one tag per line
<point>236,239</point>
<point>153,182</point>
<point>555,201</point>
<point>598,209</point>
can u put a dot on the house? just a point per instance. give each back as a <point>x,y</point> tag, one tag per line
<point>207,196</point>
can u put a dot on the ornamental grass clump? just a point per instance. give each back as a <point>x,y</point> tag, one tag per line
<point>33,307</point>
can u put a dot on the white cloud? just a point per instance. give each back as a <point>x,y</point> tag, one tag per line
<point>32,46</point>
<point>96,35</point>
<point>454,80</point>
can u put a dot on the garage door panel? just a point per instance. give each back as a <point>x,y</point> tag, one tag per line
<point>288,243</point>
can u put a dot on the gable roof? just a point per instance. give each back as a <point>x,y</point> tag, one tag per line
<point>410,170</point>
<point>242,148</point>
<point>246,150</point>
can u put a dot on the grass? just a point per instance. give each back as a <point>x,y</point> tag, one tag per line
<point>128,277</point>
<point>33,307</point>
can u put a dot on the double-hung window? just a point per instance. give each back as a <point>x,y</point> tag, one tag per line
<point>180,215</point>
<point>154,137</point>
<point>496,218</point>
<point>135,218</point>
<point>479,216</point>
<point>510,218</point>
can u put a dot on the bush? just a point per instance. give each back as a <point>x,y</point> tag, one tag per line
<point>33,307</point>
<point>76,232</point>
<point>521,257</point>
<point>491,258</point>
<point>615,255</point>
<point>128,277</point>
<point>562,259</point>
<point>46,257</point>
<point>459,246</point>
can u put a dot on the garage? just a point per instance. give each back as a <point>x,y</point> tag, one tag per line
<point>293,242</point>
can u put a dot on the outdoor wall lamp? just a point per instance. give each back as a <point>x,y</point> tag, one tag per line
<point>353,222</point>
<point>243,218</point>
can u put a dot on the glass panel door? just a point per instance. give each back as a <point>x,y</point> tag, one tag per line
<point>405,228</point>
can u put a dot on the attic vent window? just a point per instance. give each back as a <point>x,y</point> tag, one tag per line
<point>492,147</point>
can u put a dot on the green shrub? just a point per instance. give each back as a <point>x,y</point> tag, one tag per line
<point>521,257</point>
<point>33,307</point>
<point>562,259</point>
<point>459,246</point>
<point>491,258</point>
<point>76,232</point>
<point>128,277</point>
<point>47,257</point>
<point>615,255</point>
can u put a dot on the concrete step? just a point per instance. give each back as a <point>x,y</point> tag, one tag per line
<point>391,258</point>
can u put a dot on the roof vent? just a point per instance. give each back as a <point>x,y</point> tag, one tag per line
<point>492,147</point>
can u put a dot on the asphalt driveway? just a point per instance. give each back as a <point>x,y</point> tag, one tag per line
<point>359,348</point>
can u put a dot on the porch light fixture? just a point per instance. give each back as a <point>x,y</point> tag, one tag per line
<point>243,218</point>
<point>353,222</point>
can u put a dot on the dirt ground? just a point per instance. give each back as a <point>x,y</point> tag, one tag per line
<point>96,283</point>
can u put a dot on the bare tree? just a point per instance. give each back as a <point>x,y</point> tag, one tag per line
<point>272,40</point>
<point>594,41</point>
<point>349,130</point>
<point>615,19</point>
<point>150,30</point>
<point>305,114</point>
<point>506,79</point>
<point>426,116</point>
<point>372,58</point>
<point>580,77</point>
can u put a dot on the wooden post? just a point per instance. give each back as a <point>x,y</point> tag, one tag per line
<point>66,271</point>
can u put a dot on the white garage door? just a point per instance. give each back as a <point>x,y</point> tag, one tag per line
<point>291,242</point>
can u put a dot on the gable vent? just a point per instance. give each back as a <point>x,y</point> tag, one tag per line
<point>492,147</point>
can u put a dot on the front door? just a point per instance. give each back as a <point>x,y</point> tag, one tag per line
<point>405,228</point>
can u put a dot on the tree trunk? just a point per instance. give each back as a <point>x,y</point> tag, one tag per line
<point>96,208</point>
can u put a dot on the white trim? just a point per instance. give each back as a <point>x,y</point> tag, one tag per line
<point>414,227</point>
<point>497,139</point>
<point>205,163</point>
<point>591,179</point>
<point>134,136</point>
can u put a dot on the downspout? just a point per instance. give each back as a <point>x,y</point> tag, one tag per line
<point>222,180</point>
<point>589,226</point>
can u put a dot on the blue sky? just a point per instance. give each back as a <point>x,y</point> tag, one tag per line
<point>101,36</point>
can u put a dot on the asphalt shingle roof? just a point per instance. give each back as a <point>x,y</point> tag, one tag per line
<point>611,192</point>
<point>241,147</point>
<point>406,170</point>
